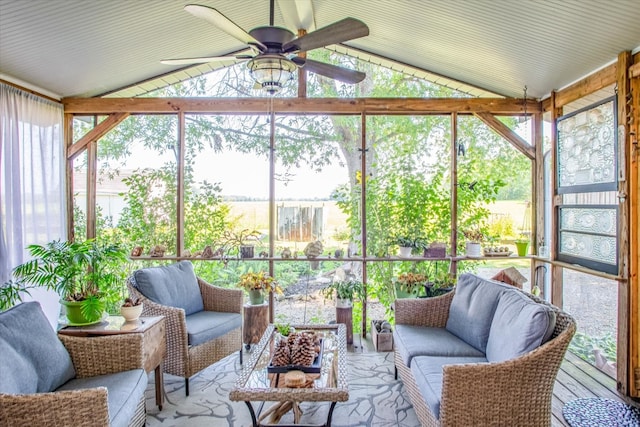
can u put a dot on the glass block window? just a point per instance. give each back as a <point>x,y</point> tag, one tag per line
<point>589,236</point>
<point>587,149</point>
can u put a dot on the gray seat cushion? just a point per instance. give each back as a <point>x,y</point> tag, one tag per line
<point>205,326</point>
<point>427,372</point>
<point>32,358</point>
<point>472,309</point>
<point>412,341</point>
<point>173,285</point>
<point>519,326</point>
<point>124,391</point>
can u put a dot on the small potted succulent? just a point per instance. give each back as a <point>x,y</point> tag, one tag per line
<point>474,238</point>
<point>258,285</point>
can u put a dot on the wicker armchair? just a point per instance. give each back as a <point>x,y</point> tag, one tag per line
<point>516,392</point>
<point>183,359</point>
<point>85,407</point>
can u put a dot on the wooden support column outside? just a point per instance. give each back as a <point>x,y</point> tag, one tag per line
<point>68,138</point>
<point>625,364</point>
<point>180,188</point>
<point>302,73</point>
<point>537,190</point>
<point>363,215</point>
<point>454,193</point>
<point>272,203</point>
<point>92,174</point>
<point>556,271</point>
<point>634,230</point>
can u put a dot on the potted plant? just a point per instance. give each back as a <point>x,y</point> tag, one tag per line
<point>241,241</point>
<point>409,285</point>
<point>522,244</point>
<point>406,245</point>
<point>87,275</point>
<point>345,291</point>
<point>474,238</point>
<point>131,309</point>
<point>257,285</point>
<point>442,283</point>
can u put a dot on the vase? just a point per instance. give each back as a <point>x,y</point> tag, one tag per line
<point>523,248</point>
<point>256,296</point>
<point>131,313</point>
<point>405,251</point>
<point>472,249</point>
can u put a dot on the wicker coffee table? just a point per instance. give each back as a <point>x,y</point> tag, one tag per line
<point>257,386</point>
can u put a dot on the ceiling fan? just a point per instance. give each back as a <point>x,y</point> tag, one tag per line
<point>276,48</point>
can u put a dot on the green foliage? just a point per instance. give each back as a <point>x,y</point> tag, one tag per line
<point>344,289</point>
<point>85,271</point>
<point>582,345</point>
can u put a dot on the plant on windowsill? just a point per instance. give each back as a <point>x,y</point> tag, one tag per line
<point>87,275</point>
<point>408,244</point>
<point>345,291</point>
<point>473,245</point>
<point>241,242</point>
<point>410,285</point>
<point>522,244</point>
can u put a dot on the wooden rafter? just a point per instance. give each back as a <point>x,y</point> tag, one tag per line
<point>96,133</point>
<point>502,130</point>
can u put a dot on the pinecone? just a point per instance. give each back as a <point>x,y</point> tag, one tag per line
<point>303,351</point>
<point>282,354</point>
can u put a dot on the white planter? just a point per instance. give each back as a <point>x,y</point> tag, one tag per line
<point>343,303</point>
<point>405,252</point>
<point>473,250</point>
<point>132,313</point>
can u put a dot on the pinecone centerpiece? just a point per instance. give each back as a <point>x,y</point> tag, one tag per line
<point>298,349</point>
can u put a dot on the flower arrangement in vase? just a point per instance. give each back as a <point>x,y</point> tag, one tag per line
<point>258,285</point>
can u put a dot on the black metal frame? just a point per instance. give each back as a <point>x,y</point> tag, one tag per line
<point>590,188</point>
<point>586,262</point>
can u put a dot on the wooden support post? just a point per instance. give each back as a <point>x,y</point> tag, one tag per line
<point>625,365</point>
<point>256,320</point>
<point>556,271</point>
<point>92,174</point>
<point>345,315</point>
<point>537,190</point>
<point>454,193</point>
<point>363,215</point>
<point>68,138</point>
<point>180,189</point>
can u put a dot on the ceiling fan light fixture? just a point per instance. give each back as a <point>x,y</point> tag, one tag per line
<point>271,72</point>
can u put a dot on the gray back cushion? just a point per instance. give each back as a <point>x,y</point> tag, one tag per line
<point>173,285</point>
<point>33,360</point>
<point>472,309</point>
<point>519,326</point>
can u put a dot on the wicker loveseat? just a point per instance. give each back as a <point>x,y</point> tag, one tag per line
<point>46,380</point>
<point>204,322</point>
<point>486,354</point>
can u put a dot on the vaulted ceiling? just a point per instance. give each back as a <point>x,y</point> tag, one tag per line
<point>87,48</point>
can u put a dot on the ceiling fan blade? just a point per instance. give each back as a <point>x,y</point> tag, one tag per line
<point>204,60</point>
<point>225,24</point>
<point>344,75</point>
<point>338,32</point>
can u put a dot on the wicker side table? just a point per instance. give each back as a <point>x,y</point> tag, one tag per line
<point>152,346</point>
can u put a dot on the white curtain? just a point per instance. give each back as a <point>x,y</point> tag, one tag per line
<point>32,171</point>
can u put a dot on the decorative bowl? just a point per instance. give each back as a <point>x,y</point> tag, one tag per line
<point>132,313</point>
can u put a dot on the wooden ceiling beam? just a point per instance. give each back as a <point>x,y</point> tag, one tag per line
<point>501,129</point>
<point>96,133</point>
<point>503,106</point>
<point>592,83</point>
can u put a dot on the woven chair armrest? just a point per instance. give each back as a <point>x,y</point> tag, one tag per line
<point>514,392</point>
<point>78,408</point>
<point>220,299</point>
<point>103,355</point>
<point>423,311</point>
